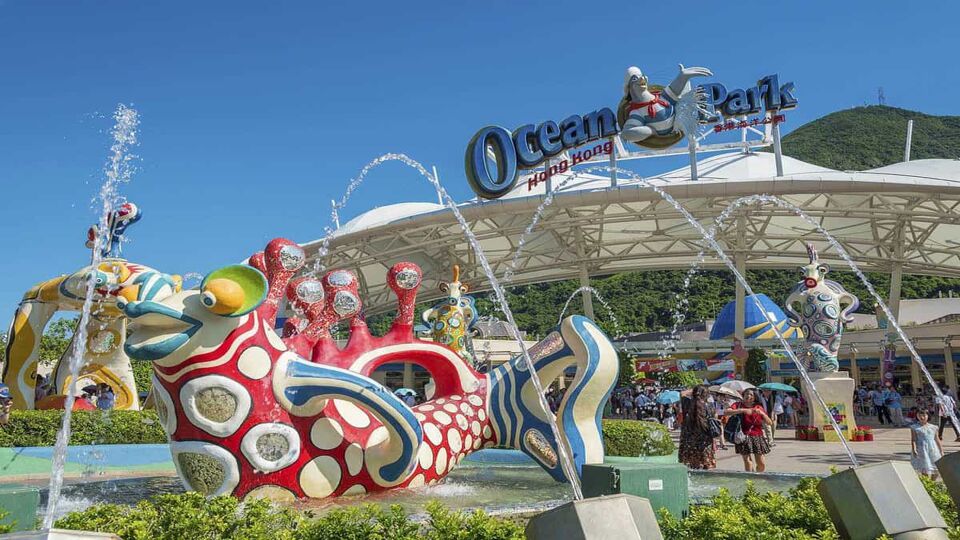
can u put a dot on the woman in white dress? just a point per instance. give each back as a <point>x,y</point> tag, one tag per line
<point>926,446</point>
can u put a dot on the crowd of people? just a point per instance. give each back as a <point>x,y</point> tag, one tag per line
<point>710,420</point>
<point>886,402</point>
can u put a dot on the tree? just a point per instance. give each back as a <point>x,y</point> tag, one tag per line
<point>628,370</point>
<point>679,379</point>
<point>53,343</point>
<point>55,340</point>
<point>756,369</point>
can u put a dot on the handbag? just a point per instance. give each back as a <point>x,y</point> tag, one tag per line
<point>732,429</point>
<point>716,428</point>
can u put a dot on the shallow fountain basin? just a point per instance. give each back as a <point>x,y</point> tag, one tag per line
<point>494,480</point>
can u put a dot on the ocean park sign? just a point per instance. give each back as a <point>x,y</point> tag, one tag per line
<point>648,116</point>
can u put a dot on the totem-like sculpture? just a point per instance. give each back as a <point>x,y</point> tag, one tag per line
<point>104,359</point>
<point>253,414</point>
<point>452,319</point>
<point>820,307</point>
<point>648,115</point>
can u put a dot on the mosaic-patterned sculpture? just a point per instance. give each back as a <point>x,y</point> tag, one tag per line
<point>117,222</point>
<point>820,307</point>
<point>253,414</point>
<point>452,319</point>
<point>104,358</point>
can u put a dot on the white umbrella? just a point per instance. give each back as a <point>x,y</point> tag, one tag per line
<point>725,391</point>
<point>738,386</point>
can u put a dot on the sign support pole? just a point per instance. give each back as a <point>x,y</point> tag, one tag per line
<point>436,176</point>
<point>906,148</point>
<point>692,147</point>
<point>546,172</point>
<point>613,162</point>
<point>777,151</point>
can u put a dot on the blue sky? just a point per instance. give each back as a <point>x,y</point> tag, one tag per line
<point>255,115</point>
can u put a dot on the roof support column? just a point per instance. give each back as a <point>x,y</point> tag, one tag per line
<point>740,262</point>
<point>896,272</point>
<point>893,302</point>
<point>584,274</point>
<point>587,295</point>
<point>854,367</point>
<point>949,367</point>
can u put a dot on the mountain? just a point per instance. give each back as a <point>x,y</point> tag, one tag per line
<point>872,137</point>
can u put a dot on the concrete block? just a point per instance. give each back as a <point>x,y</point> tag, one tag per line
<point>881,498</point>
<point>623,517</point>
<point>58,534</point>
<point>949,467</point>
<point>665,485</point>
<point>20,503</point>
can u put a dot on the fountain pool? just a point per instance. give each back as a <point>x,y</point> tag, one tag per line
<point>495,480</point>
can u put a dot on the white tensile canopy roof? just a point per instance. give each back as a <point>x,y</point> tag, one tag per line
<point>905,215</point>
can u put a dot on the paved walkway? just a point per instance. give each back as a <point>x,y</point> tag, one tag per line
<point>791,455</point>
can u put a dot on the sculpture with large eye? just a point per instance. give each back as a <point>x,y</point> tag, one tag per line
<point>233,291</point>
<point>255,415</point>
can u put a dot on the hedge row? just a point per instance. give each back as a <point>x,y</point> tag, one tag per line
<point>632,438</point>
<point>190,515</point>
<point>39,428</point>
<point>796,515</point>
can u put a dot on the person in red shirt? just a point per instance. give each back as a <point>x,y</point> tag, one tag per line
<point>751,441</point>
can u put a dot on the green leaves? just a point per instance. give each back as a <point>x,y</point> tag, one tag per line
<point>39,428</point>
<point>756,372</point>
<point>632,438</point>
<point>798,514</point>
<point>677,379</point>
<point>190,515</point>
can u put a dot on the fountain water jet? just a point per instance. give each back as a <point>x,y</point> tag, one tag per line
<point>566,462</point>
<point>740,278</point>
<point>596,294</point>
<point>780,203</point>
<point>119,169</point>
<point>681,301</point>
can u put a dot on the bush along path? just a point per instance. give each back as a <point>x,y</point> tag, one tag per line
<point>798,514</point>
<point>39,428</point>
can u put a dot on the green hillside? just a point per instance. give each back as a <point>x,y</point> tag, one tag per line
<point>872,137</point>
<point>854,139</point>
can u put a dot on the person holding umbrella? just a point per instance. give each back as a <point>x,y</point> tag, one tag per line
<point>696,434</point>
<point>748,418</point>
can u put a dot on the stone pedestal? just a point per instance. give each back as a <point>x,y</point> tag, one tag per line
<point>624,517</point>
<point>949,466</point>
<point>881,498</point>
<point>836,389</point>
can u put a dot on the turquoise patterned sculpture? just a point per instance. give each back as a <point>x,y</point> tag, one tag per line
<point>820,307</point>
<point>452,320</point>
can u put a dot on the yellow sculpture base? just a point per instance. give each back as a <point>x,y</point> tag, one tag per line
<point>836,389</point>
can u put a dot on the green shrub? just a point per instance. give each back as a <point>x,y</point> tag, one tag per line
<point>634,438</point>
<point>189,515</point>
<point>192,516</point>
<point>798,514</point>
<point>756,367</point>
<point>938,492</point>
<point>679,379</point>
<point>39,428</point>
<point>142,375</point>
